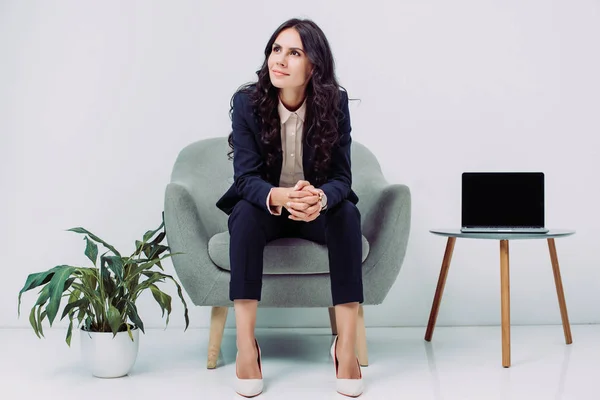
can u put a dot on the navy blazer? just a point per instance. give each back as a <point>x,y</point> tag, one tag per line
<point>249,163</point>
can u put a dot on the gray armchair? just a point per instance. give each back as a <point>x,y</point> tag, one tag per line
<point>197,228</point>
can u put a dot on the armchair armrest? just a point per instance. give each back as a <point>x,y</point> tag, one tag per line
<point>187,234</point>
<point>387,228</point>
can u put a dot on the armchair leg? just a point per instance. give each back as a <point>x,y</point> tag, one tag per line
<point>332,321</point>
<point>361,338</point>
<point>218,316</point>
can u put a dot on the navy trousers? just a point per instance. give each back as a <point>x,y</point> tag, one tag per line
<point>251,228</point>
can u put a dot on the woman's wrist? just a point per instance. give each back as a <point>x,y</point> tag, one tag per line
<point>278,197</point>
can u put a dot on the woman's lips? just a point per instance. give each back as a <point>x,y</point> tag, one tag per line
<point>279,73</point>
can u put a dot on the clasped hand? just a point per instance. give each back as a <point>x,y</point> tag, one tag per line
<point>303,202</point>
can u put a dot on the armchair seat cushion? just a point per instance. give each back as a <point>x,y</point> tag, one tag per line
<point>285,256</point>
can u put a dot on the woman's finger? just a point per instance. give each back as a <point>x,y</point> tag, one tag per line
<point>305,219</point>
<point>296,213</point>
<point>301,184</point>
<point>312,217</point>
<point>292,217</point>
<point>298,206</point>
<point>311,189</point>
<point>313,209</point>
<point>310,200</point>
<point>299,194</point>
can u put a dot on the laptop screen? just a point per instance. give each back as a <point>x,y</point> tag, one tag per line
<point>503,199</point>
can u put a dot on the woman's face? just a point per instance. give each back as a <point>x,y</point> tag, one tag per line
<point>289,67</point>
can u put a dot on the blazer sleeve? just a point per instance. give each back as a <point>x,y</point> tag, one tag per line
<point>247,160</point>
<point>339,182</point>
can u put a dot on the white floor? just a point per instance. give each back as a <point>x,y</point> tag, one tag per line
<point>460,363</point>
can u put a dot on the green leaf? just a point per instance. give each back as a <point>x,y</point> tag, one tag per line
<point>40,317</point>
<point>88,323</point>
<point>89,277</point>
<point>80,304</point>
<point>149,247</point>
<point>93,296</point>
<point>57,284</point>
<point>44,296</point>
<point>138,247</point>
<point>95,238</point>
<point>107,281</point>
<point>163,299</point>
<point>146,266</point>
<point>117,299</point>
<point>150,251</point>
<point>69,333</point>
<point>129,332</point>
<point>133,316</point>
<point>114,319</point>
<point>115,264</point>
<point>37,279</point>
<point>91,250</point>
<point>33,322</point>
<point>179,293</point>
<point>68,284</point>
<point>159,238</point>
<point>81,314</point>
<point>135,261</point>
<point>153,277</point>
<point>88,292</point>
<point>149,234</point>
<point>156,251</point>
<point>44,314</point>
<point>74,295</point>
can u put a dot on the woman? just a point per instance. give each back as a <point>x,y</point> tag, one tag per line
<point>291,158</point>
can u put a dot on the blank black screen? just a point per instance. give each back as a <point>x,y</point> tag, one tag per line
<point>503,199</point>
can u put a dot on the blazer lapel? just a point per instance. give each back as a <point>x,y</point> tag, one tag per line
<point>307,159</point>
<point>278,164</point>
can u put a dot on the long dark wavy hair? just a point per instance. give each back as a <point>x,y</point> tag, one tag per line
<point>322,101</point>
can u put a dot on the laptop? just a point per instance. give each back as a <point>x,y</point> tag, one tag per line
<point>503,202</point>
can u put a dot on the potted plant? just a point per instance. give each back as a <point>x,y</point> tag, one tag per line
<point>102,299</point>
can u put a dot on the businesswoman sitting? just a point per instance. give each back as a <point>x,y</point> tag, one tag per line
<point>291,157</point>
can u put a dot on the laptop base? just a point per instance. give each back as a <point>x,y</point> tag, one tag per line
<point>503,230</point>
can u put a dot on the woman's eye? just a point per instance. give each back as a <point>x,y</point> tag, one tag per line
<point>275,49</point>
<point>295,53</point>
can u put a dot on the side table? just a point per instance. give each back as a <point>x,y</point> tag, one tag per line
<point>504,238</point>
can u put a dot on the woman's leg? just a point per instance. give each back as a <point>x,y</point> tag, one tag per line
<point>346,317</point>
<point>340,228</point>
<point>245,322</point>
<point>250,229</point>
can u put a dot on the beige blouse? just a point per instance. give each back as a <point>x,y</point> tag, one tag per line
<point>292,123</point>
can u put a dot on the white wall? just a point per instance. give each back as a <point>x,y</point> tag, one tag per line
<point>97,100</point>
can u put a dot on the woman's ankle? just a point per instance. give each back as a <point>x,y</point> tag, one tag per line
<point>343,345</point>
<point>246,343</point>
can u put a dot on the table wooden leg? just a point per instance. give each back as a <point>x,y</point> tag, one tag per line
<point>435,307</point>
<point>559,291</point>
<point>505,302</point>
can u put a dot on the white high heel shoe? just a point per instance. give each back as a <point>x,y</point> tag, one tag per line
<point>347,387</point>
<point>249,387</point>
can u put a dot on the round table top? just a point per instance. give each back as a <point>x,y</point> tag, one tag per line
<point>553,233</point>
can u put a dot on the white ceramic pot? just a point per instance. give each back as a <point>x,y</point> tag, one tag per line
<point>108,357</point>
